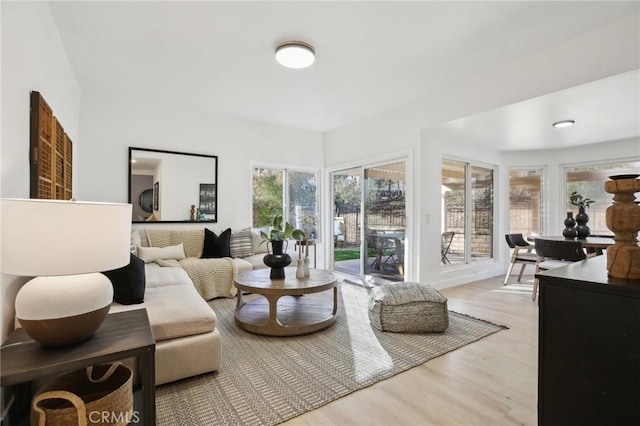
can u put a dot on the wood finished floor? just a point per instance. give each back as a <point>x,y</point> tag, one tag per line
<point>489,382</point>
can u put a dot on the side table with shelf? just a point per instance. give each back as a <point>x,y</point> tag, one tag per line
<point>122,335</point>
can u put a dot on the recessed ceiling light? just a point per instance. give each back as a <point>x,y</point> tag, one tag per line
<point>295,54</point>
<point>565,123</point>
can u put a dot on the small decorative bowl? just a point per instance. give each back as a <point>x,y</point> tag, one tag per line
<point>617,177</point>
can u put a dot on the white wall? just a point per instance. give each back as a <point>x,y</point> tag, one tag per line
<point>554,161</point>
<point>110,127</point>
<point>425,217</point>
<point>437,145</point>
<point>416,127</point>
<point>33,58</point>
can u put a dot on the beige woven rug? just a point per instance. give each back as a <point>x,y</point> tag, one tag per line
<point>267,380</point>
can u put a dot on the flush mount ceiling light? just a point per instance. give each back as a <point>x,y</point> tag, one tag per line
<point>295,54</point>
<point>565,123</point>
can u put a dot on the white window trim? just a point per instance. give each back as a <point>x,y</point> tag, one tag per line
<point>285,190</point>
<point>468,261</point>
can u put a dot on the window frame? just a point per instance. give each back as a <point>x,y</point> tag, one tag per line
<point>286,193</point>
<point>468,208</point>
<point>544,202</point>
<point>564,192</point>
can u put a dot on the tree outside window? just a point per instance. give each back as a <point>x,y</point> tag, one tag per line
<point>274,189</point>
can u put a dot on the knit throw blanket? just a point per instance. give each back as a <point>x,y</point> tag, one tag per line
<point>211,277</point>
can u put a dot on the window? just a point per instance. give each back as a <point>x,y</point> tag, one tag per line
<point>467,212</point>
<point>302,202</point>
<point>525,201</point>
<point>290,193</point>
<point>482,212</point>
<point>588,181</point>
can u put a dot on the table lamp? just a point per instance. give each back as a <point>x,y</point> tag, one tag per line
<point>65,245</point>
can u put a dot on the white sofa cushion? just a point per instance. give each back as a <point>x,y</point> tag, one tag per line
<point>243,265</point>
<point>151,254</point>
<point>158,276</point>
<point>188,356</point>
<point>258,246</point>
<point>174,311</point>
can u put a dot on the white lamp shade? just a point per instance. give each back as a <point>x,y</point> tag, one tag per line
<point>52,237</point>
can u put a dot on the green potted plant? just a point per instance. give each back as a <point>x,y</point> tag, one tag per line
<point>582,217</point>
<point>277,260</point>
<point>281,231</point>
<point>578,200</point>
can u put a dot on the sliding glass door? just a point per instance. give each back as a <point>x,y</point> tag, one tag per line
<point>370,220</point>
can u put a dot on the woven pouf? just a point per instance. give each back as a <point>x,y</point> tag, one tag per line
<point>408,308</point>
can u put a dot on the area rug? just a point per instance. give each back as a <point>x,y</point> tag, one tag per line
<point>267,380</point>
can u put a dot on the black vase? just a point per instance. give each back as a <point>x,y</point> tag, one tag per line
<point>570,231</point>
<point>277,260</point>
<point>581,219</point>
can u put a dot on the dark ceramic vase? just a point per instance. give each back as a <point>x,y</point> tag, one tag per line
<point>570,231</point>
<point>581,219</point>
<point>277,260</point>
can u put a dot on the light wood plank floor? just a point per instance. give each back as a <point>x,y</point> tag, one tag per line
<point>489,382</point>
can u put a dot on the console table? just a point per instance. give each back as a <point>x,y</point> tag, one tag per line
<point>122,335</point>
<point>589,346</point>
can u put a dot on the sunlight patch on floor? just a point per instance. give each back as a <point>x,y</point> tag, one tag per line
<point>365,346</point>
<point>517,288</point>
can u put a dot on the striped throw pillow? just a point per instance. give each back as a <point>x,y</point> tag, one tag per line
<point>241,243</point>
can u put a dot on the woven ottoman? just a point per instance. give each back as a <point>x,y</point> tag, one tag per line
<point>408,308</point>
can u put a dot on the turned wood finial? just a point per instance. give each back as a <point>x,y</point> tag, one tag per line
<point>623,219</point>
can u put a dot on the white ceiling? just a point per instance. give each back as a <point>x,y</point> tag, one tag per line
<point>604,110</point>
<point>218,57</point>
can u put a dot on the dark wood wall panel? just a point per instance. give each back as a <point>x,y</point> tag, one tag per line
<point>51,154</point>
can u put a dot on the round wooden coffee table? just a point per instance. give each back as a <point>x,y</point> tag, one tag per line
<point>281,312</point>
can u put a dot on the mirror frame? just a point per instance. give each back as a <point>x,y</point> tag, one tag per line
<point>214,157</point>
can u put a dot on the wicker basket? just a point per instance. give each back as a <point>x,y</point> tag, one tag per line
<point>79,399</point>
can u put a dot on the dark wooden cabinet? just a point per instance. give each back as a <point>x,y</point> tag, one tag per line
<point>589,347</point>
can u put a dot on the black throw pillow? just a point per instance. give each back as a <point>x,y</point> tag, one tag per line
<point>128,282</point>
<point>216,246</point>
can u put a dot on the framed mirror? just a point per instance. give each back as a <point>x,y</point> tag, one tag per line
<point>171,186</point>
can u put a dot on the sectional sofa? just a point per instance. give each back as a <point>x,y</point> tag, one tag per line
<point>177,286</point>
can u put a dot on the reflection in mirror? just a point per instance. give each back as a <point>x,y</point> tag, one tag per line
<point>169,186</point>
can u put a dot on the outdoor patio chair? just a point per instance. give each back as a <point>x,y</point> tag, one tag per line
<point>554,254</point>
<point>374,243</point>
<point>517,243</point>
<point>445,245</point>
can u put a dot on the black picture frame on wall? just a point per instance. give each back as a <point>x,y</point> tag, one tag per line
<point>208,200</point>
<point>156,196</point>
<point>180,175</point>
